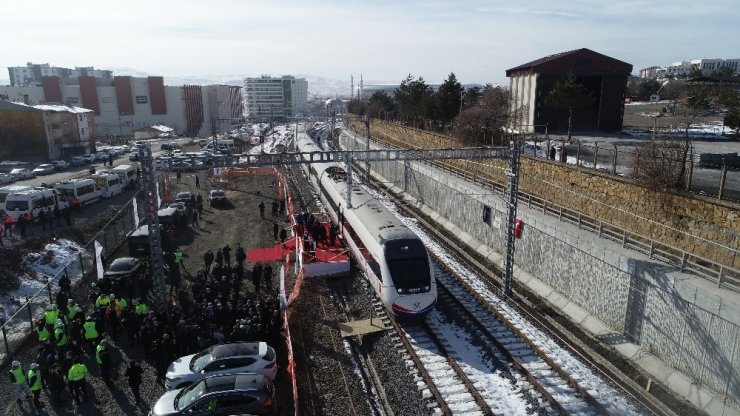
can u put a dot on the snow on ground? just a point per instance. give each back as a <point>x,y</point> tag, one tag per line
<point>588,379</point>
<point>276,141</point>
<point>503,396</point>
<point>45,266</point>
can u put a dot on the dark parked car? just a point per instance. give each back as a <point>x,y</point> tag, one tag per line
<point>124,269</point>
<point>230,394</point>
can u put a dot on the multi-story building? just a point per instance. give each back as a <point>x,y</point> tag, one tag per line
<point>686,68</point>
<point>277,98</point>
<point>123,104</point>
<point>46,131</point>
<point>32,74</point>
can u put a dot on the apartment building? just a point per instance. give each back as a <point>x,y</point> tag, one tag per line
<point>276,98</point>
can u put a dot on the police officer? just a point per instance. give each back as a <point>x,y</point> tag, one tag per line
<point>61,336</point>
<point>102,301</point>
<point>102,357</point>
<point>178,258</point>
<point>34,382</point>
<point>76,378</point>
<point>41,330</point>
<point>18,378</point>
<point>50,316</point>
<point>73,310</point>
<point>91,332</point>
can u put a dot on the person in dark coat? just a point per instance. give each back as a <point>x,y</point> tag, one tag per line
<point>195,219</point>
<point>133,374</point>
<point>283,235</point>
<point>220,258</point>
<point>227,255</point>
<point>275,231</point>
<point>55,383</point>
<point>58,215</point>
<point>197,182</point>
<point>256,276</point>
<point>208,260</point>
<point>42,219</point>
<point>267,277</point>
<point>22,223</point>
<point>262,209</point>
<point>240,255</point>
<point>67,214</point>
<point>50,217</point>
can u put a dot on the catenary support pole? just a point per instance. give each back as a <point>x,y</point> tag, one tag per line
<point>512,203</point>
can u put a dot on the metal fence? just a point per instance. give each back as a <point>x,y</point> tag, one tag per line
<point>17,327</point>
<point>713,175</point>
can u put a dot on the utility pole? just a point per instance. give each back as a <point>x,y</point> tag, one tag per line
<point>367,147</point>
<point>513,175</point>
<point>152,219</point>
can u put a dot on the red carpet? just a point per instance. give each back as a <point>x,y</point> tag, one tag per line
<point>267,254</point>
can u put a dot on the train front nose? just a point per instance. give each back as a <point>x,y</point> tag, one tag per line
<point>414,306</point>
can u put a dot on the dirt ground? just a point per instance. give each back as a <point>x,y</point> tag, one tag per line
<point>636,116</point>
<point>236,222</point>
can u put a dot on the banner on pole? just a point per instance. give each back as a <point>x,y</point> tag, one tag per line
<point>99,258</point>
<point>136,214</point>
<point>159,200</point>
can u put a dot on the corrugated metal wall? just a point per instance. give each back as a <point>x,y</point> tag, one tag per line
<point>52,89</point>
<point>124,96</point>
<point>156,94</point>
<point>193,108</point>
<point>89,94</point>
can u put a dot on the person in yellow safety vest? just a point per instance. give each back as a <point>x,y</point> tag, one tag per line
<point>18,378</point>
<point>76,377</point>
<point>91,333</point>
<point>41,330</point>
<point>178,257</point>
<point>102,301</point>
<point>121,305</point>
<point>34,382</point>
<point>141,309</point>
<point>51,315</point>
<point>60,335</point>
<point>102,357</point>
<point>72,310</point>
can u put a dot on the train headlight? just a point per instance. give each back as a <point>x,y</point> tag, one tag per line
<point>400,291</point>
<point>426,288</point>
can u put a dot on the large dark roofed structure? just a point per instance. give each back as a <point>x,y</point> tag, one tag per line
<point>604,76</point>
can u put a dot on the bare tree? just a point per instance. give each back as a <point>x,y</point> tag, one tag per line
<point>658,164</point>
<point>483,123</point>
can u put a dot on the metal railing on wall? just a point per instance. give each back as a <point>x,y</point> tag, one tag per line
<point>17,327</point>
<point>723,276</point>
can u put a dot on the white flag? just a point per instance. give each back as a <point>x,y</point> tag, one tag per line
<point>283,301</point>
<point>159,200</point>
<point>99,258</point>
<point>136,215</point>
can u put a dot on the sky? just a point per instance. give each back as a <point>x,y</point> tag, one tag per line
<point>382,39</point>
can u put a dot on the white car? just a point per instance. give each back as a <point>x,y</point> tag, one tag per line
<point>6,178</point>
<point>237,357</point>
<point>60,164</point>
<point>22,173</point>
<point>45,169</point>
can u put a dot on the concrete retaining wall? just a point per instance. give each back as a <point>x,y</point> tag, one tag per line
<point>680,320</point>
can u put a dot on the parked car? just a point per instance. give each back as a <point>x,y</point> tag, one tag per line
<point>60,164</point>
<point>124,269</point>
<point>44,169</point>
<point>133,156</point>
<point>216,196</point>
<point>237,357</point>
<point>22,173</point>
<point>6,178</point>
<point>185,197</point>
<point>78,161</point>
<point>89,158</point>
<point>229,394</point>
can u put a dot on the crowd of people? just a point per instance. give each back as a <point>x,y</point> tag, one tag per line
<point>215,308</point>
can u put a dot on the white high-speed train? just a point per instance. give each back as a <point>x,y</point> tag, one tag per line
<point>393,258</point>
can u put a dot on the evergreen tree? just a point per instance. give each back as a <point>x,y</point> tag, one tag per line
<point>569,93</point>
<point>381,105</point>
<point>449,98</point>
<point>412,98</point>
<point>471,97</point>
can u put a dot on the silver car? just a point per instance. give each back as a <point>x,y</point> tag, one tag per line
<point>45,169</point>
<point>22,173</point>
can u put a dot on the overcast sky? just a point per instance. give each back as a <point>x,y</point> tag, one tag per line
<point>384,40</point>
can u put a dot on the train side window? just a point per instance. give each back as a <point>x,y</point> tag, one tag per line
<point>487,214</point>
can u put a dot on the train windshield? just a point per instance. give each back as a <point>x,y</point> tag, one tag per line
<point>409,266</point>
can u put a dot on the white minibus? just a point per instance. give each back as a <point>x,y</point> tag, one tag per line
<point>80,191</point>
<point>33,201</point>
<point>108,182</point>
<point>127,174</point>
<point>7,190</point>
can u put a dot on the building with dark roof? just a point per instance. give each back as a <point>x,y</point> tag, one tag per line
<point>604,76</point>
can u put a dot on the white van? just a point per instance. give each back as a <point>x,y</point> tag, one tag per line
<point>80,191</point>
<point>7,190</point>
<point>33,201</point>
<point>108,182</point>
<point>127,173</point>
